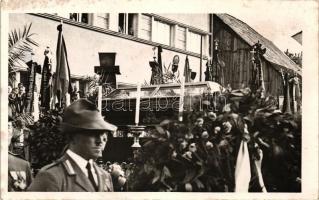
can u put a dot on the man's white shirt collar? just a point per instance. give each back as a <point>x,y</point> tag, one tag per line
<point>81,162</point>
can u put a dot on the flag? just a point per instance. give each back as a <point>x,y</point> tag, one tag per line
<point>62,82</point>
<point>208,72</point>
<point>45,91</point>
<point>286,108</point>
<point>159,60</point>
<point>28,96</point>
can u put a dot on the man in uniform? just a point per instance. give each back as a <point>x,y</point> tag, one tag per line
<point>76,170</point>
<point>19,170</point>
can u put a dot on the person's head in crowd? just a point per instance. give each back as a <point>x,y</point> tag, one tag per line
<point>88,144</point>
<point>86,129</point>
<point>9,89</point>
<point>20,85</point>
<point>189,135</point>
<point>212,116</point>
<point>192,147</point>
<point>15,90</point>
<point>217,130</point>
<point>227,108</point>
<point>182,145</point>
<point>21,88</point>
<point>205,135</point>
<point>216,134</point>
<point>199,122</point>
<point>227,127</point>
<point>20,124</point>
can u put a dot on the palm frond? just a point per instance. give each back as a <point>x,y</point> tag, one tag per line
<point>20,44</point>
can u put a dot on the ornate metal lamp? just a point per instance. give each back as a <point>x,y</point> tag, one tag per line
<point>136,131</point>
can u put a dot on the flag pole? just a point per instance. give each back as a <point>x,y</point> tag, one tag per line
<point>137,103</point>
<point>36,112</point>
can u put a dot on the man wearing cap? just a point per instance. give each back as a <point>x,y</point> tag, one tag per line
<point>76,170</point>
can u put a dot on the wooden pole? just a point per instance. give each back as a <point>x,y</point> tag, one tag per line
<point>99,99</point>
<point>35,106</point>
<point>181,100</point>
<point>201,58</point>
<point>137,107</point>
<point>212,35</point>
<point>263,89</point>
<point>67,99</point>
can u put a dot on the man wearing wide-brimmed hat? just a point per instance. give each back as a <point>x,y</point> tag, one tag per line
<point>76,171</point>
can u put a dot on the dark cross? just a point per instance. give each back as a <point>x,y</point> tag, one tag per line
<point>156,66</point>
<point>34,69</point>
<point>107,69</point>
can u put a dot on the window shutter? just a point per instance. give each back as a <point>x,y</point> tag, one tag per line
<point>146,27</point>
<point>102,20</point>
<point>181,38</point>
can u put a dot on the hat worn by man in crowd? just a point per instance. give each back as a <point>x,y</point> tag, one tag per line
<point>82,114</point>
<point>87,133</point>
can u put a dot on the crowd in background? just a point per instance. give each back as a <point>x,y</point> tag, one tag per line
<point>17,97</point>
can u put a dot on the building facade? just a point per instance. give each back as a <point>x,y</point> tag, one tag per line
<point>236,39</point>
<point>132,36</point>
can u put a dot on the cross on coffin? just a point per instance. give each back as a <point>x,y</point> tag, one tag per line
<point>107,69</point>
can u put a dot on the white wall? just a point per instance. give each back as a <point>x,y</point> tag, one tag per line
<point>83,46</point>
<point>200,21</point>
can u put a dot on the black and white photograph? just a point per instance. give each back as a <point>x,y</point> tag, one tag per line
<point>168,102</point>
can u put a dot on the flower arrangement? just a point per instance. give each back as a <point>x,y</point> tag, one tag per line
<point>46,140</point>
<point>200,155</point>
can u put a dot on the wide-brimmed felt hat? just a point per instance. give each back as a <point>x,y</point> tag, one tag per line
<point>84,115</point>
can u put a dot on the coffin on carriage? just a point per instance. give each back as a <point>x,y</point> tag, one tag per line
<point>157,102</point>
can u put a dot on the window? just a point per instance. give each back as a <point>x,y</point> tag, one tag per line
<point>102,20</point>
<point>162,32</point>
<point>146,27</point>
<point>128,23</point>
<point>80,17</point>
<point>193,42</point>
<point>181,38</point>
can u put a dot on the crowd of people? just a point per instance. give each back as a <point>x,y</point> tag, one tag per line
<point>17,98</point>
